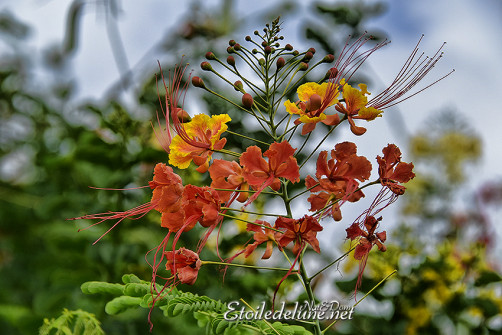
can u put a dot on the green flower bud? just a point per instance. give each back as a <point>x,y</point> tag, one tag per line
<point>328,59</point>
<point>210,55</point>
<point>238,85</point>
<point>308,56</point>
<point>198,82</point>
<point>206,66</point>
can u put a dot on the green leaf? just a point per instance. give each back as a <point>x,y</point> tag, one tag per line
<point>136,290</point>
<point>93,287</point>
<point>121,304</point>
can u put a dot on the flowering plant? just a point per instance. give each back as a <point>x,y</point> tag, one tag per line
<point>267,73</point>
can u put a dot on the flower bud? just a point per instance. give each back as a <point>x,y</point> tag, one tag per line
<point>231,43</point>
<point>303,66</point>
<point>308,56</point>
<point>182,115</point>
<point>206,66</point>
<point>230,50</point>
<point>256,32</point>
<point>328,59</point>
<point>237,47</point>
<point>247,100</point>
<point>248,38</point>
<point>288,47</point>
<point>210,55</point>
<point>268,49</point>
<point>264,44</point>
<point>296,53</point>
<point>314,103</point>
<point>261,61</point>
<point>238,85</point>
<point>198,82</point>
<point>231,60</point>
<point>280,63</point>
<point>254,51</point>
<point>312,50</point>
<point>332,73</point>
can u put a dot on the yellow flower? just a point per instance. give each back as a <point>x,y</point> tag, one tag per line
<point>314,98</point>
<point>196,141</point>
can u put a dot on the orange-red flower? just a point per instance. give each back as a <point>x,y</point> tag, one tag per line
<point>301,231</point>
<point>367,239</point>
<point>185,264</point>
<point>337,178</point>
<point>392,171</point>
<point>167,196</point>
<point>262,235</point>
<point>202,203</point>
<point>281,164</point>
<point>228,175</point>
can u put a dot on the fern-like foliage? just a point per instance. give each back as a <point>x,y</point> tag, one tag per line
<point>72,323</point>
<point>208,313</point>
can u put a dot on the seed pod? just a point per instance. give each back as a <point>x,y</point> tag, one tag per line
<point>206,66</point>
<point>198,82</point>
<point>247,100</point>
<point>231,60</point>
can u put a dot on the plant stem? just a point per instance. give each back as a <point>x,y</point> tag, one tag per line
<point>244,266</point>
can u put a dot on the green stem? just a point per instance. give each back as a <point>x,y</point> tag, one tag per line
<point>374,288</point>
<point>243,266</point>
<point>249,212</point>
<point>251,222</point>
<point>330,264</point>
<point>249,138</point>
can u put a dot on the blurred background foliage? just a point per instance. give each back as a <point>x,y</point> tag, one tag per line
<point>52,148</point>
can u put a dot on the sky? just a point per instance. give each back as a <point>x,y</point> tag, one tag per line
<point>472,30</point>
